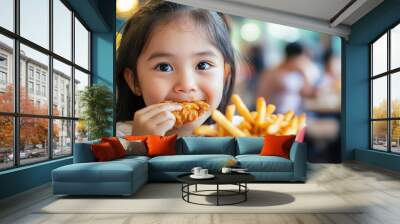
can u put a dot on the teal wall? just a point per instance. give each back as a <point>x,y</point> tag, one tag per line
<point>103,56</point>
<point>356,85</point>
<point>99,16</point>
<point>24,178</point>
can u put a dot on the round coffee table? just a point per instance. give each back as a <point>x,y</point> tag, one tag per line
<point>238,179</point>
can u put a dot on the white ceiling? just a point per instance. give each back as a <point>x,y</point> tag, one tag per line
<point>321,9</point>
<point>316,15</point>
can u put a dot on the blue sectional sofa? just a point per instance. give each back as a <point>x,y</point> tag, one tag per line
<point>125,176</point>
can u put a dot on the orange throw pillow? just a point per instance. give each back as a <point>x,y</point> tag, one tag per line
<point>161,145</point>
<point>103,151</point>
<point>136,137</point>
<point>277,145</point>
<point>116,145</point>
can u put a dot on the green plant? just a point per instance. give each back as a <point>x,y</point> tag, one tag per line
<point>96,104</point>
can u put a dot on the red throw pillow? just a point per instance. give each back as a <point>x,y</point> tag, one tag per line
<point>161,145</point>
<point>116,145</point>
<point>103,151</point>
<point>277,145</point>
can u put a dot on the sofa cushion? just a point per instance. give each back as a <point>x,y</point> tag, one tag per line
<point>257,163</point>
<point>207,145</point>
<point>111,171</point>
<point>116,145</point>
<point>103,152</point>
<point>134,147</point>
<point>161,145</point>
<point>185,163</point>
<point>249,145</point>
<point>277,145</point>
<point>131,158</point>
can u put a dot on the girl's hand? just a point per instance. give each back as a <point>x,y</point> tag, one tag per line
<point>155,119</point>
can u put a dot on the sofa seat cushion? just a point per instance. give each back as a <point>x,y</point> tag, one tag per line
<point>257,163</point>
<point>185,163</point>
<point>112,171</point>
<point>133,157</point>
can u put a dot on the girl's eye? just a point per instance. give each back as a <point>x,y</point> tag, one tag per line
<point>203,65</point>
<point>164,67</point>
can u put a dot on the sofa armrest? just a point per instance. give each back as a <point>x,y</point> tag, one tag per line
<point>83,152</point>
<point>298,155</point>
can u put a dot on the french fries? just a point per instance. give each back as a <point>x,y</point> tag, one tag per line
<point>205,130</point>
<point>226,124</point>
<point>261,111</point>
<point>242,109</point>
<point>261,122</point>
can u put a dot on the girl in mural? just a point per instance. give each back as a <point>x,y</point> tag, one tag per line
<point>171,53</point>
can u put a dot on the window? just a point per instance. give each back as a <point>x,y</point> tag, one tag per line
<point>63,75</point>
<point>30,87</point>
<point>7,14</point>
<point>37,74</point>
<point>43,90</point>
<point>47,73</point>
<point>3,78</point>
<point>30,72</point>
<point>3,71</point>
<point>3,61</point>
<point>385,95</point>
<point>81,45</point>
<point>38,89</point>
<point>6,89</point>
<point>62,30</point>
<point>34,22</point>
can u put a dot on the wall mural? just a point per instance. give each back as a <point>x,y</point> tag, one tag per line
<point>189,71</point>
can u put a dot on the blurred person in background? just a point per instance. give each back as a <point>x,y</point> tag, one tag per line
<point>287,84</point>
<point>329,82</point>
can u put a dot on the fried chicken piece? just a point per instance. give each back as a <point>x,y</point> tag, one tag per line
<point>190,111</point>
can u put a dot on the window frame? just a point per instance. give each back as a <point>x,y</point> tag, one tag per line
<point>388,74</point>
<point>16,115</point>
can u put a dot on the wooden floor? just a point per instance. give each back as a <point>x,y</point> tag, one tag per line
<point>378,188</point>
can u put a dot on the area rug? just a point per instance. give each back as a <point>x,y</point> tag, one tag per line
<point>167,198</point>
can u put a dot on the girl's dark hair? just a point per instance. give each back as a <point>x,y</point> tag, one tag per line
<point>138,29</point>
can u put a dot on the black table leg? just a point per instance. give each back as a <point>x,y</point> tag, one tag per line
<point>217,194</point>
<point>245,193</point>
<point>196,188</point>
<point>188,189</point>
